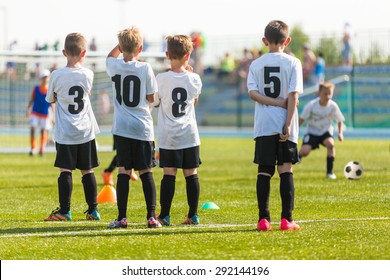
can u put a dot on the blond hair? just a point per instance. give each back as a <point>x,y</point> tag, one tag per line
<point>130,39</point>
<point>326,85</point>
<point>178,46</point>
<point>75,44</point>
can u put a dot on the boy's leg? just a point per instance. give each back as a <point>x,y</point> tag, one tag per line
<point>193,193</point>
<point>167,192</point>
<point>149,189</point>
<point>122,194</point>
<point>90,189</point>
<point>43,141</point>
<point>32,140</point>
<point>65,187</point>
<point>330,156</point>
<point>263,188</point>
<point>287,195</point>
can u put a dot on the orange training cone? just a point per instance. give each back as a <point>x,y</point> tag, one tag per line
<point>107,194</point>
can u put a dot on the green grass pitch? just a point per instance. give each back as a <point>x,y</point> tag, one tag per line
<point>340,219</point>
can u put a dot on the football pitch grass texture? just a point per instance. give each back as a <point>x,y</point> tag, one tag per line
<point>340,219</point>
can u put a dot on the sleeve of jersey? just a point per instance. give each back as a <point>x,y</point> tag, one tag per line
<point>338,115</point>
<point>296,81</point>
<point>50,92</point>
<point>306,111</point>
<point>151,83</point>
<point>251,81</point>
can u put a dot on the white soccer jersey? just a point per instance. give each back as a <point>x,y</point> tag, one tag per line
<point>131,82</point>
<point>176,126</point>
<point>319,118</point>
<point>275,75</point>
<point>75,121</point>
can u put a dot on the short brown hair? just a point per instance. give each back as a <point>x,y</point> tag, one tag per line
<point>326,85</point>
<point>276,32</point>
<point>178,46</point>
<point>130,39</point>
<point>75,43</point>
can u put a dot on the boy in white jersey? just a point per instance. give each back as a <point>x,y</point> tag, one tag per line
<point>134,86</point>
<point>75,128</point>
<point>178,137</point>
<point>274,82</point>
<point>319,114</point>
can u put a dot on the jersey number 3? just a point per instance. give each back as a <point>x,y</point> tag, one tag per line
<point>272,82</point>
<point>78,99</point>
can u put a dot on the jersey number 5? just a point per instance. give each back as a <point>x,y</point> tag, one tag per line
<point>272,82</point>
<point>131,98</point>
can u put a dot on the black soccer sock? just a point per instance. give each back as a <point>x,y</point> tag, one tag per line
<point>149,189</point>
<point>112,165</point>
<point>65,187</point>
<point>263,188</point>
<point>167,191</point>
<point>329,164</point>
<point>193,193</point>
<point>90,191</point>
<point>122,194</point>
<point>287,195</point>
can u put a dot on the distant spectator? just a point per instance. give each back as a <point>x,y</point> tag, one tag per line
<point>227,66</point>
<point>197,53</point>
<point>346,53</point>
<point>92,45</point>
<point>11,65</point>
<point>319,70</point>
<point>308,64</point>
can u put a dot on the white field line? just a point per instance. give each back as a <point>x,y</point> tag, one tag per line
<point>172,228</point>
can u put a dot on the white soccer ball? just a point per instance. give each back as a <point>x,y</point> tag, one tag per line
<point>353,170</point>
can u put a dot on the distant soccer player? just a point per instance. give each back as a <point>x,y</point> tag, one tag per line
<point>319,114</point>
<point>134,88</point>
<point>275,79</point>
<point>75,129</point>
<point>178,137</point>
<point>38,112</point>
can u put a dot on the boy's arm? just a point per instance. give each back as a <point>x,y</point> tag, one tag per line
<point>301,121</point>
<point>340,128</point>
<point>115,52</point>
<point>262,99</point>
<point>292,104</point>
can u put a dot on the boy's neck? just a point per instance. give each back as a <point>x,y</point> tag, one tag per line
<point>74,62</point>
<point>178,65</point>
<point>130,57</point>
<point>276,48</point>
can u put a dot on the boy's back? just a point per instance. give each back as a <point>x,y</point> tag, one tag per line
<point>132,82</point>
<point>177,127</point>
<point>75,120</point>
<point>275,75</point>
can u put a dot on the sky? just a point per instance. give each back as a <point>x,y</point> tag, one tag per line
<point>45,21</point>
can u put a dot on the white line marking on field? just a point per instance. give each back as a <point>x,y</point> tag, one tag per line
<point>131,230</point>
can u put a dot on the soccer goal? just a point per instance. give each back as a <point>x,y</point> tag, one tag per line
<point>19,74</point>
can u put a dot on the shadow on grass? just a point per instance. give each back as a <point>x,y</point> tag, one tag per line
<point>102,230</point>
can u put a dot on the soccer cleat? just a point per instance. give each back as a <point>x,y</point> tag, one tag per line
<point>286,225</point>
<point>108,178</point>
<point>56,215</point>
<point>194,220</point>
<point>166,221</point>
<point>263,224</point>
<point>118,224</point>
<point>331,176</point>
<point>93,216</point>
<point>153,223</point>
